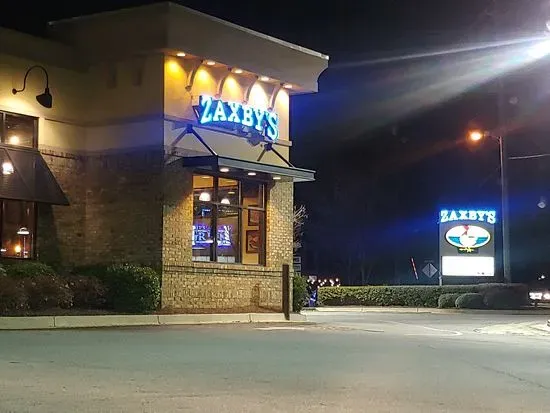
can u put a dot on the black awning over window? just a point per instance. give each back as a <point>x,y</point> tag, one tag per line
<point>217,163</point>
<point>25,176</point>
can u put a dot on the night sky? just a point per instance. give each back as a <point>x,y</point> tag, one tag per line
<point>386,132</point>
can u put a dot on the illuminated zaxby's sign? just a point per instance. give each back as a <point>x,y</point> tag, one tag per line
<point>466,242</point>
<point>237,116</point>
<point>489,216</point>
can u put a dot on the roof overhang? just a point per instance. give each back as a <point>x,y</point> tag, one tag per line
<point>238,167</point>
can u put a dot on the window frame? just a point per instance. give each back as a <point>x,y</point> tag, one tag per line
<point>34,228</point>
<point>215,203</point>
<point>3,115</point>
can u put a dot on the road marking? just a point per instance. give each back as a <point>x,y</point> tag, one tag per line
<point>280,328</point>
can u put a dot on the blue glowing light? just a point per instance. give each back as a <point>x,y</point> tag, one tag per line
<point>451,215</point>
<point>201,235</point>
<point>217,112</point>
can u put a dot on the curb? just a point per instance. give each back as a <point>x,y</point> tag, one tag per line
<point>415,310</point>
<point>97,321</point>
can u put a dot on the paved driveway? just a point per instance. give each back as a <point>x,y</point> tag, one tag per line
<point>346,363</point>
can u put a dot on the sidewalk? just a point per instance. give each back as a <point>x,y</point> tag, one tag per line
<point>96,321</point>
<point>358,309</point>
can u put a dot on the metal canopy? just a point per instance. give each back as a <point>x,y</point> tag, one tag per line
<point>214,163</point>
<point>25,176</point>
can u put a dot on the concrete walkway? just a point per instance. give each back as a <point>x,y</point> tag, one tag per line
<point>60,322</point>
<point>359,309</point>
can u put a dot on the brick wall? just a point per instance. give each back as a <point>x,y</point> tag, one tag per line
<point>194,286</point>
<point>124,207</point>
<point>115,211</point>
<point>128,207</point>
<point>61,229</point>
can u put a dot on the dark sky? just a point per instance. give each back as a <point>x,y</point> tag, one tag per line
<point>342,29</point>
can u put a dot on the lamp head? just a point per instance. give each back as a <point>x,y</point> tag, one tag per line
<point>476,135</point>
<point>45,99</point>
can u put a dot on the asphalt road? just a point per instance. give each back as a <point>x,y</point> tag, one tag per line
<point>348,362</point>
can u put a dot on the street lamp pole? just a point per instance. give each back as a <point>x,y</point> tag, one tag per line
<point>475,136</point>
<point>502,143</point>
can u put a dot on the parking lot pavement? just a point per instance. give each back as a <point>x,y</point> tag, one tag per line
<point>346,363</point>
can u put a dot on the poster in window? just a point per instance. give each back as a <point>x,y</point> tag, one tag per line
<point>253,217</point>
<point>252,241</point>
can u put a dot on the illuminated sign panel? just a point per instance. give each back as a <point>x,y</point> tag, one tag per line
<point>466,242</point>
<point>241,118</point>
<point>489,216</point>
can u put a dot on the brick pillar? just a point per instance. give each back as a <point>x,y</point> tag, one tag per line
<point>177,230</point>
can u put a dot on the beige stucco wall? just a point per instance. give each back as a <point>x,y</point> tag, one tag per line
<point>178,101</point>
<point>65,86</point>
<point>170,26</point>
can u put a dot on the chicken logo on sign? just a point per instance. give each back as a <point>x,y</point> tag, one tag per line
<point>468,237</point>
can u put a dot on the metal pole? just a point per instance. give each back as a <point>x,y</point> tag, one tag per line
<point>505,210</point>
<point>286,291</point>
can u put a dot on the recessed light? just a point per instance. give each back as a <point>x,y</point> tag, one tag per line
<point>252,173</point>
<point>287,86</point>
<point>277,178</point>
<point>180,54</point>
<point>205,177</point>
<point>210,62</point>
<point>230,192</point>
<point>224,169</point>
<point>205,197</point>
<point>7,168</point>
<point>237,71</point>
<point>264,78</point>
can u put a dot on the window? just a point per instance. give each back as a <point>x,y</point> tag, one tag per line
<point>18,228</point>
<point>17,218</point>
<point>18,130</point>
<point>236,209</point>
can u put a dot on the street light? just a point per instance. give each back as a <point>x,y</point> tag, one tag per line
<point>476,136</point>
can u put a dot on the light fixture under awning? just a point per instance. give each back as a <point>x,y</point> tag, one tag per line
<point>280,173</point>
<point>29,179</point>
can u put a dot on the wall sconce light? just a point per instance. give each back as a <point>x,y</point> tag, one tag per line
<point>45,99</point>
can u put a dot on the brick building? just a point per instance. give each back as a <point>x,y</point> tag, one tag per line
<point>166,144</point>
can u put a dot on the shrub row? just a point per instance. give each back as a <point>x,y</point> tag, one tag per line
<point>421,296</point>
<point>496,297</point>
<point>120,287</point>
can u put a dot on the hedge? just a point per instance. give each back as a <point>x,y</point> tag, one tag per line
<point>470,300</point>
<point>129,288</point>
<point>405,295</point>
<point>25,269</point>
<point>35,286</point>
<point>132,288</point>
<point>447,300</point>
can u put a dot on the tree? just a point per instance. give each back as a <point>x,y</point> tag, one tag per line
<point>300,217</point>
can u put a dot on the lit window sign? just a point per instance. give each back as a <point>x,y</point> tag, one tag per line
<point>489,216</point>
<point>217,112</point>
<point>201,235</point>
